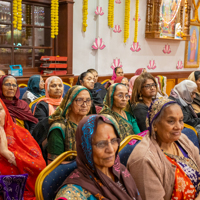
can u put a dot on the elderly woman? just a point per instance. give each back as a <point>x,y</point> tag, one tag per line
<point>144,92</point>
<point>99,174</point>
<point>18,109</point>
<point>165,164</point>
<point>98,87</point>
<point>19,154</point>
<point>35,89</point>
<point>123,80</point>
<point>183,94</point>
<point>115,102</point>
<point>74,107</point>
<point>195,77</point>
<point>53,91</point>
<point>86,79</point>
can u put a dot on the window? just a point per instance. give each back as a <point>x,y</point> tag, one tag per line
<point>25,47</point>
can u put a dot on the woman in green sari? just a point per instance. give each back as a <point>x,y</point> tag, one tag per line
<point>74,107</point>
<point>115,102</point>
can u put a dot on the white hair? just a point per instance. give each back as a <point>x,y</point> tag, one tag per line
<point>51,79</point>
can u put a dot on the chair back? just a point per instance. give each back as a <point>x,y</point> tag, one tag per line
<point>191,134</point>
<point>66,88</point>
<point>126,147</point>
<point>104,82</point>
<point>33,103</point>
<point>22,88</point>
<point>52,176</point>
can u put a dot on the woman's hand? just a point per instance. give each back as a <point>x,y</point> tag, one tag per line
<point>3,143</point>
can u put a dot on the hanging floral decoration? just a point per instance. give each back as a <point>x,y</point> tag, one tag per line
<point>126,20</point>
<point>111,13</point>
<point>17,14</point>
<point>85,13</point>
<point>136,20</point>
<point>54,17</point>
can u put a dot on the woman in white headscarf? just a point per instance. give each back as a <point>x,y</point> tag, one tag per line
<point>184,94</point>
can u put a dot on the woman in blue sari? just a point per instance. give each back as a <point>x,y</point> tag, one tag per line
<point>35,89</point>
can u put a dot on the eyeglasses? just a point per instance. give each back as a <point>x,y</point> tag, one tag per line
<point>80,102</point>
<point>115,142</point>
<point>121,96</point>
<point>9,85</point>
<point>149,86</point>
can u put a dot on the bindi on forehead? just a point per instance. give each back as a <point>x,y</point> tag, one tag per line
<point>108,136</point>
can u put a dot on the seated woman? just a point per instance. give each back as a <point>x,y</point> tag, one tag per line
<point>123,80</point>
<point>183,94</point>
<point>74,107</point>
<point>19,153</point>
<point>53,92</point>
<point>144,92</point>
<point>115,102</point>
<point>99,174</point>
<point>166,164</point>
<point>140,71</point>
<point>98,87</point>
<point>35,89</point>
<point>86,79</point>
<point>131,83</point>
<point>195,77</point>
<point>18,109</point>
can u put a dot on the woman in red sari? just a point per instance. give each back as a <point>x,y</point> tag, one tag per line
<point>19,152</point>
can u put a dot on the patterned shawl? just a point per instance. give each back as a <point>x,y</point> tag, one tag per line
<point>92,179</point>
<point>124,126</point>
<point>58,118</point>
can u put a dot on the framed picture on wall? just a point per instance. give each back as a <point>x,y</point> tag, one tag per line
<point>192,48</point>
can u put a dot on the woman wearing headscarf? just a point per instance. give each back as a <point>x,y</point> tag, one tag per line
<point>53,97</point>
<point>35,89</point>
<point>183,94</point>
<point>123,80</point>
<point>99,174</point>
<point>195,77</point>
<point>64,121</point>
<point>166,164</point>
<point>115,102</point>
<point>18,109</point>
<point>131,83</point>
<point>19,155</point>
<point>140,71</point>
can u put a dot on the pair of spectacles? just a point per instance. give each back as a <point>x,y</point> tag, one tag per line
<point>9,85</point>
<point>80,102</point>
<point>149,86</point>
<point>121,96</point>
<point>115,142</point>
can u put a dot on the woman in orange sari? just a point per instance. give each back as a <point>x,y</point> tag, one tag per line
<point>19,154</point>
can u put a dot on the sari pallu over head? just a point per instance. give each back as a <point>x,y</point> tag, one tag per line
<point>59,120</point>
<point>33,86</point>
<point>27,153</point>
<point>17,108</point>
<point>125,127</point>
<point>88,176</point>
<point>51,102</point>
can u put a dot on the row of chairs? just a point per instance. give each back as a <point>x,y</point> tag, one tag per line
<point>50,179</point>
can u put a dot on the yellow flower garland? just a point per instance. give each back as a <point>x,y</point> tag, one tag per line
<point>19,15</point>
<point>85,13</point>
<point>15,13</point>
<point>111,13</point>
<point>136,20</point>
<point>54,17</point>
<point>126,20</point>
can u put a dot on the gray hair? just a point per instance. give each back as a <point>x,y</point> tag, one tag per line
<point>51,79</point>
<point>7,77</point>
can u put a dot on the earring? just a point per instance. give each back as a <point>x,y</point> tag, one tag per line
<point>140,98</point>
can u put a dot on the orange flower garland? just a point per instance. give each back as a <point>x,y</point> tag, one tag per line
<point>111,13</point>
<point>85,13</point>
<point>136,20</point>
<point>126,20</point>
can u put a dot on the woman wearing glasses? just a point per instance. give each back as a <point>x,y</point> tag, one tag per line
<point>74,107</point>
<point>116,100</point>
<point>99,174</point>
<point>184,94</point>
<point>18,109</point>
<point>144,91</point>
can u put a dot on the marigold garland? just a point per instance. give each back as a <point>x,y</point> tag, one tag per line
<point>19,15</point>
<point>15,13</point>
<point>54,17</point>
<point>126,20</point>
<point>111,13</point>
<point>85,13</point>
<point>136,20</point>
